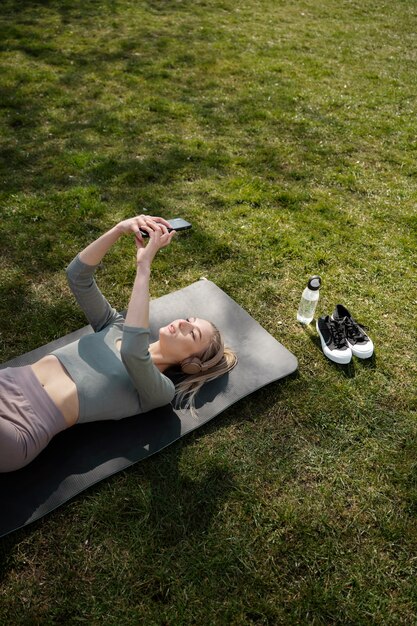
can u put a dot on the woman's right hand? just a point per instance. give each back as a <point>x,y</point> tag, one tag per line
<point>147,223</point>
<point>157,240</point>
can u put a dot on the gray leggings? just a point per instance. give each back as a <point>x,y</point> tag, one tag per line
<point>28,418</point>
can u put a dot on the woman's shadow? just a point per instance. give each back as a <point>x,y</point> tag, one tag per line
<point>80,457</point>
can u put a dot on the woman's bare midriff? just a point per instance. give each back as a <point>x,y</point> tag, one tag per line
<point>59,386</point>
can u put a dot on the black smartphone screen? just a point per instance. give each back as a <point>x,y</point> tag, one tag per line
<point>176,223</point>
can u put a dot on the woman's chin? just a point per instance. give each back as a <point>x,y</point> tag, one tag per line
<point>165,336</point>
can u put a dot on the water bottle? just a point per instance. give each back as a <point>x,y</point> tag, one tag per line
<point>309,299</point>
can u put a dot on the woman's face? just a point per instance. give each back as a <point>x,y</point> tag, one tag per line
<point>184,338</point>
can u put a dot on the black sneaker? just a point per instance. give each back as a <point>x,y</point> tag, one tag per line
<point>333,340</point>
<point>358,341</point>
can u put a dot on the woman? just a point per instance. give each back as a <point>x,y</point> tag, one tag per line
<point>114,372</point>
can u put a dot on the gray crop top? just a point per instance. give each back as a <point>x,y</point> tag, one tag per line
<point>111,384</point>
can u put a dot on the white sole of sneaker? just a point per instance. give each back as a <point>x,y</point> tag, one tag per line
<point>364,352</point>
<point>339,357</point>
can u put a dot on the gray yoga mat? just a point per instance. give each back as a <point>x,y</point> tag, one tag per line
<point>85,454</point>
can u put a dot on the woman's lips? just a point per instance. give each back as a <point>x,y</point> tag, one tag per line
<point>171,329</point>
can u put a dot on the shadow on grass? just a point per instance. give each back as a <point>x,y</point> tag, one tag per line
<point>177,508</point>
<point>28,322</point>
<point>35,157</point>
<point>168,518</point>
<point>182,507</point>
<point>37,149</point>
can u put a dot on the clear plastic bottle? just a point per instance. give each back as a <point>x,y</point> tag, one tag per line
<point>309,299</point>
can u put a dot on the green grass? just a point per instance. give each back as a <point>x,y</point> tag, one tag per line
<point>285,132</point>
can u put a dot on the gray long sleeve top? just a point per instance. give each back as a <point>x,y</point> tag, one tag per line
<point>111,384</point>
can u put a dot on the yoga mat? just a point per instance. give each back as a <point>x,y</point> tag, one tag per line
<point>87,453</point>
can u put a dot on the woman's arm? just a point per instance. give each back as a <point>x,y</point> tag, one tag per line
<point>138,309</point>
<point>97,309</point>
<point>93,253</point>
<point>80,272</point>
<point>154,389</point>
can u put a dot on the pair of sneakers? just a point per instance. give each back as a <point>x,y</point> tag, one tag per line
<point>341,336</point>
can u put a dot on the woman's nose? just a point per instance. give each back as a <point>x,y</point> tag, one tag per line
<point>185,327</point>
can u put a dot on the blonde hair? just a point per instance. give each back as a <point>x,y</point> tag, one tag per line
<point>187,389</point>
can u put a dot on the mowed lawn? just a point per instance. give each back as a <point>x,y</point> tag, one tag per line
<point>285,131</point>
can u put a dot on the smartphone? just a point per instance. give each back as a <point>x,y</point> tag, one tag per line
<point>176,224</point>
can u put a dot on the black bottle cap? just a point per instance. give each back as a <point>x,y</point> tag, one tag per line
<point>314,283</point>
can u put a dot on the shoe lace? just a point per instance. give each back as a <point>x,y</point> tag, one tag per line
<point>354,329</point>
<point>337,330</point>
